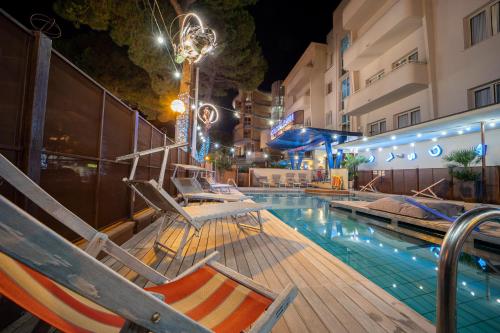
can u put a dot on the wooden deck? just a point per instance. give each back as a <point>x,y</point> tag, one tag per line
<point>332,296</point>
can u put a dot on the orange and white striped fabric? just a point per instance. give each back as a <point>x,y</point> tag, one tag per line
<point>208,297</point>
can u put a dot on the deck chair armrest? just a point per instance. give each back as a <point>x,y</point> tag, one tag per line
<point>242,279</point>
<point>267,320</point>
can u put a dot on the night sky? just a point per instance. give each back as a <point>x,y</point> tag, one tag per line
<point>285,29</point>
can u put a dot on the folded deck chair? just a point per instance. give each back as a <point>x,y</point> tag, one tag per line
<point>190,189</point>
<point>428,189</point>
<point>370,186</point>
<point>194,216</point>
<point>213,186</point>
<point>73,292</point>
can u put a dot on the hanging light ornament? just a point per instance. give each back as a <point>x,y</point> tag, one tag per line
<point>195,40</point>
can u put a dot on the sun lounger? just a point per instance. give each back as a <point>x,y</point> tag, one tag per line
<point>214,186</point>
<point>370,186</point>
<point>263,181</point>
<point>190,189</point>
<point>194,216</point>
<point>73,292</point>
<point>428,189</point>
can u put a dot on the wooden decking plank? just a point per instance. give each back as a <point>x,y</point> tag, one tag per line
<point>349,279</point>
<point>229,254</point>
<point>239,256</point>
<point>351,315</point>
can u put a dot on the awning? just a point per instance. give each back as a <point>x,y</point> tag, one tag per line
<point>309,138</point>
<point>452,125</point>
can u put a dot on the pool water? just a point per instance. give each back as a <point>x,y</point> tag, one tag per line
<point>404,266</point>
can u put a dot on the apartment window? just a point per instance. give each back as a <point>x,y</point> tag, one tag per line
<point>486,94</point>
<point>410,57</point>
<point>374,78</point>
<point>377,127</point>
<point>408,118</point>
<point>345,122</point>
<point>344,45</point>
<point>328,118</point>
<point>329,88</point>
<point>346,90</point>
<point>484,23</point>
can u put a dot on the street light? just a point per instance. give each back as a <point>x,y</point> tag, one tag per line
<point>178,106</point>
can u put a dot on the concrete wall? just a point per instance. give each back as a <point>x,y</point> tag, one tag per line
<point>424,160</point>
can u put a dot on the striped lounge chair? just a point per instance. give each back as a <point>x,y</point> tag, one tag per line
<point>72,291</point>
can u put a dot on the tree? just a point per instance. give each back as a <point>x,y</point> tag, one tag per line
<point>351,163</point>
<point>236,63</point>
<point>463,159</point>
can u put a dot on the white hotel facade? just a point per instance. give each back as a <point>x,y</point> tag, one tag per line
<point>402,72</point>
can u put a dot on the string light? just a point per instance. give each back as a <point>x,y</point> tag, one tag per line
<point>177,75</point>
<point>160,39</point>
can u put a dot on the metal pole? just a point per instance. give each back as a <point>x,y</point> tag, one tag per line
<point>483,165</point>
<point>448,264</point>
<point>195,114</point>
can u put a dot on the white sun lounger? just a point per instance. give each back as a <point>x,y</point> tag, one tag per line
<point>27,245</point>
<point>194,216</point>
<point>190,189</point>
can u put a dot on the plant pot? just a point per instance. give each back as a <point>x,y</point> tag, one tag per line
<point>467,190</point>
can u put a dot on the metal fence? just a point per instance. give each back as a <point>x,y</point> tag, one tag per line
<point>65,130</point>
<point>403,181</point>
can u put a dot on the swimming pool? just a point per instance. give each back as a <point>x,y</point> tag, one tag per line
<point>405,267</point>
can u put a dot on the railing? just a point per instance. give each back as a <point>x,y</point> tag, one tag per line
<point>448,263</point>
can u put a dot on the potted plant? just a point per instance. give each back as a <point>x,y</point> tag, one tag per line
<point>460,163</point>
<point>351,162</point>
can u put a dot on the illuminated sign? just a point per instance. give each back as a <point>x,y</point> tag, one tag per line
<point>277,129</point>
<point>481,149</point>
<point>412,156</point>
<point>208,114</point>
<point>390,157</point>
<point>371,159</point>
<point>436,151</point>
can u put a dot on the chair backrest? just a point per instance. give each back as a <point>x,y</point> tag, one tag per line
<point>302,176</point>
<point>159,198</point>
<point>187,185</point>
<point>290,176</point>
<point>276,178</point>
<point>30,243</point>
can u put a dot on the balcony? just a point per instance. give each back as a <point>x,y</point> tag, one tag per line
<point>399,83</point>
<point>299,80</point>
<point>397,23</point>
<point>358,12</point>
<point>302,103</point>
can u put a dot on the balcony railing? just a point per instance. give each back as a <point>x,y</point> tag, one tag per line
<point>401,82</point>
<point>404,17</point>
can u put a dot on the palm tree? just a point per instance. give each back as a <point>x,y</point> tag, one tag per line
<point>351,163</point>
<point>463,159</point>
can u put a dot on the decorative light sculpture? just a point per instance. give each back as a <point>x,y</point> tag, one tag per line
<point>195,40</point>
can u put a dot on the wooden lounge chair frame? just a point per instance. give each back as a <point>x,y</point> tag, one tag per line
<point>28,241</point>
<point>370,187</point>
<point>428,189</point>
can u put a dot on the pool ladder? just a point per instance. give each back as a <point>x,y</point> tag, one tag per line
<point>448,264</point>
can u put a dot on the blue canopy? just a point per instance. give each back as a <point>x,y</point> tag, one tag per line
<point>309,138</point>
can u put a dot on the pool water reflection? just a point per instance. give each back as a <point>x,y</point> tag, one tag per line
<point>405,267</point>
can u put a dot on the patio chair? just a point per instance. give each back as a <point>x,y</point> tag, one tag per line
<point>290,180</point>
<point>303,180</point>
<point>263,181</point>
<point>190,189</point>
<point>194,216</point>
<point>428,189</point>
<point>277,180</point>
<point>72,291</point>
<point>370,186</point>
